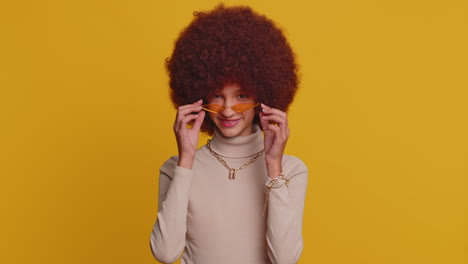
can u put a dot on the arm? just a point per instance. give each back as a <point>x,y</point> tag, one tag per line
<point>286,194</point>
<point>168,236</point>
<point>285,212</point>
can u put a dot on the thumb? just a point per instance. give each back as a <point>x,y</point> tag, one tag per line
<point>263,122</point>
<point>199,120</point>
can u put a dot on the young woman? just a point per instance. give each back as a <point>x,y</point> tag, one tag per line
<point>237,199</point>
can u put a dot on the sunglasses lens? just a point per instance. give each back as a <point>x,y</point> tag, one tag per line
<point>214,108</point>
<point>243,107</point>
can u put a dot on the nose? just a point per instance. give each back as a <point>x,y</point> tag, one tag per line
<point>227,111</point>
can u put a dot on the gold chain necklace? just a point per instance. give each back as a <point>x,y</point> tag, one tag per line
<point>232,171</point>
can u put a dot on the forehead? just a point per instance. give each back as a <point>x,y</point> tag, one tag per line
<point>230,89</point>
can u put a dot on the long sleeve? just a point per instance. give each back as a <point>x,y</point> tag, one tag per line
<point>168,236</point>
<point>285,213</point>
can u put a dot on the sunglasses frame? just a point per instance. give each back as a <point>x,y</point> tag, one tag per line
<point>222,107</point>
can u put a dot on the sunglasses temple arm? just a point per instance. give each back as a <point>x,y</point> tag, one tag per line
<point>206,109</point>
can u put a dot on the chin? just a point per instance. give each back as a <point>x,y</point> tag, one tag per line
<point>229,132</point>
<point>234,126</point>
<point>235,131</point>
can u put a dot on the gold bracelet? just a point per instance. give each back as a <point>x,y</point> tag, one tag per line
<point>268,190</point>
<point>286,181</point>
<point>267,195</point>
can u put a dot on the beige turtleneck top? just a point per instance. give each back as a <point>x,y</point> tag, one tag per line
<point>213,219</point>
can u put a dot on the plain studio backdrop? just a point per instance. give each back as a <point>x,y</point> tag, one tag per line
<point>380,119</point>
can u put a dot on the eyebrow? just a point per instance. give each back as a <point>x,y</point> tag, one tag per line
<point>236,91</point>
<point>243,91</point>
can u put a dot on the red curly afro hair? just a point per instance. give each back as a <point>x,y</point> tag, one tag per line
<point>232,45</point>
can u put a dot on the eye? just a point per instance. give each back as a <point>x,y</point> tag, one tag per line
<point>216,96</point>
<point>243,96</point>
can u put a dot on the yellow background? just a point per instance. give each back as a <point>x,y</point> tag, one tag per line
<point>380,120</point>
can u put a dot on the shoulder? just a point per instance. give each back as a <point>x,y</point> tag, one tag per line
<point>169,166</point>
<point>294,169</point>
<point>294,164</point>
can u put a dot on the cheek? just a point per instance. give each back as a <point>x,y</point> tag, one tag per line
<point>249,114</point>
<point>212,116</point>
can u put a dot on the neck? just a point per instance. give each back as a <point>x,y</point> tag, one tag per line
<point>240,146</point>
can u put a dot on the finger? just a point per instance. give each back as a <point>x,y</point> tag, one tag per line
<point>263,122</point>
<point>187,110</point>
<point>268,134</point>
<point>273,111</point>
<point>275,129</point>
<point>199,121</point>
<point>277,119</point>
<point>190,106</point>
<point>268,111</point>
<point>262,105</point>
<point>199,102</point>
<point>280,137</point>
<point>183,123</point>
<point>282,121</point>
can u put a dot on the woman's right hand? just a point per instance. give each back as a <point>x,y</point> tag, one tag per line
<point>186,136</point>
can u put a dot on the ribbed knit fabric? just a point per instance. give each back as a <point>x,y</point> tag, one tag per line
<point>212,219</point>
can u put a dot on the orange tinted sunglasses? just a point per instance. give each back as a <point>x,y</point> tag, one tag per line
<point>239,108</point>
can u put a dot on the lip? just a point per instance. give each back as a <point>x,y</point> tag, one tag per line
<point>228,122</point>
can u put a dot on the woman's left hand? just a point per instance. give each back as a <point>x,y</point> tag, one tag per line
<point>275,127</point>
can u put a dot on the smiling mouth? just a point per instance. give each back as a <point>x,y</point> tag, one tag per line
<point>229,123</point>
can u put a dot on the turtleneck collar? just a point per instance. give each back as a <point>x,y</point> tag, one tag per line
<point>238,147</point>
